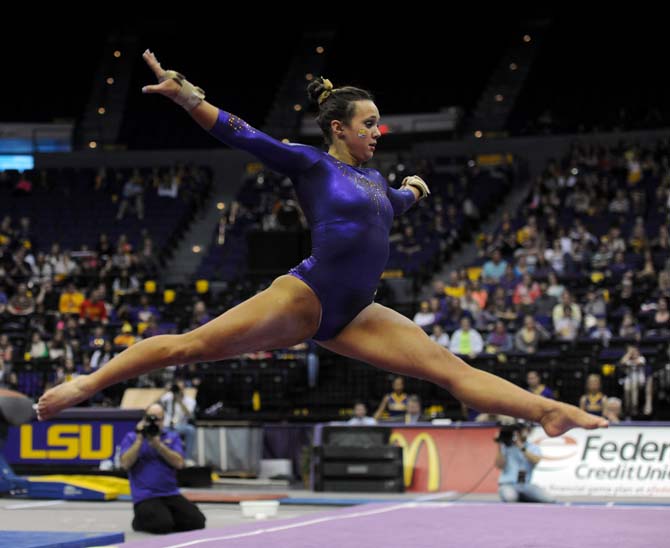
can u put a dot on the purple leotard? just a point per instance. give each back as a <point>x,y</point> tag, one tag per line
<point>349,210</point>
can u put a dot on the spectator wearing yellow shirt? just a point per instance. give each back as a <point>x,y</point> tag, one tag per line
<point>70,300</point>
<point>126,337</point>
<point>455,287</point>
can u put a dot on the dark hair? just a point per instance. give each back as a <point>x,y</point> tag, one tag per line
<point>339,105</point>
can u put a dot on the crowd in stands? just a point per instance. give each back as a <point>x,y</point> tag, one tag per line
<point>75,307</point>
<point>586,259</point>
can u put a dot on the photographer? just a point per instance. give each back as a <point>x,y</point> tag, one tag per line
<point>151,456</point>
<point>516,459</point>
<point>179,411</point>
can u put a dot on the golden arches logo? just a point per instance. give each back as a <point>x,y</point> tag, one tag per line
<point>411,455</point>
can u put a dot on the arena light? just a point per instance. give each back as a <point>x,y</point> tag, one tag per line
<point>297,108</point>
<point>384,129</point>
<point>527,38</point>
<point>478,134</point>
<point>110,80</point>
<point>92,144</point>
<point>220,206</point>
<point>101,111</point>
<point>513,66</point>
<point>499,98</point>
<point>320,50</point>
<point>309,77</point>
<point>117,54</point>
<point>197,249</point>
<point>285,141</point>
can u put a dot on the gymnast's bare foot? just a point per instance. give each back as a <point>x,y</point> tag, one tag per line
<point>63,396</point>
<point>562,417</point>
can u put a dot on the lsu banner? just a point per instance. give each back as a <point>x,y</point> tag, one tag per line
<point>621,461</point>
<point>438,459</point>
<point>84,442</point>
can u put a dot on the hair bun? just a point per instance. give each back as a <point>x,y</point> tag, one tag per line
<point>316,89</point>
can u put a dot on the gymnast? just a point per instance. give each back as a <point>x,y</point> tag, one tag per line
<point>328,297</point>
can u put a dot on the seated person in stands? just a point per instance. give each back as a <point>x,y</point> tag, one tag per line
<point>600,331</point>
<point>414,412</point>
<point>499,340</point>
<point>98,338</point>
<point>528,338</point>
<point>567,317</point>
<point>360,417</point>
<point>593,401</point>
<point>395,403</point>
<point>536,387</point>
<point>659,323</point>
<point>440,336</point>
<point>466,341</point>
<point>424,317</point>
<point>612,410</point>
<point>629,329</point>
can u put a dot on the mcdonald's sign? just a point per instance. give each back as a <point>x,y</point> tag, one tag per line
<point>448,458</point>
<point>411,454</point>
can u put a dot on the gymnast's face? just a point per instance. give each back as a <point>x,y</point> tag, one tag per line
<point>360,135</point>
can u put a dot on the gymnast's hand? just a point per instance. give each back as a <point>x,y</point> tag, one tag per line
<point>415,182</point>
<point>168,87</point>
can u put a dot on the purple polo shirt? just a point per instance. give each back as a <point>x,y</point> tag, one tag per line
<point>151,476</point>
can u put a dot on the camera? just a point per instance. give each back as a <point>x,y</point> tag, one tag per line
<point>506,434</point>
<point>151,428</point>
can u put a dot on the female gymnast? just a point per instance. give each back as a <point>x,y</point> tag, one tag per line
<point>328,297</point>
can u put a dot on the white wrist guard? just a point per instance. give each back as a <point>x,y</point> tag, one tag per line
<point>189,96</point>
<point>418,183</point>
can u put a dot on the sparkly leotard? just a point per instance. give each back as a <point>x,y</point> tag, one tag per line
<point>349,210</point>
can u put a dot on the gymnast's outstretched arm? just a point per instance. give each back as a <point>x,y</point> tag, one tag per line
<point>402,198</point>
<point>286,158</point>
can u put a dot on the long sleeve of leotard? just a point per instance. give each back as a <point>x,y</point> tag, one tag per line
<point>401,199</point>
<point>286,158</point>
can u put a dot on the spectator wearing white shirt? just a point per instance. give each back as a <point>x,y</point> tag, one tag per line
<point>360,417</point>
<point>440,336</point>
<point>637,382</point>
<point>567,317</point>
<point>424,317</point>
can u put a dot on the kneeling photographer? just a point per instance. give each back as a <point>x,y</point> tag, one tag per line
<point>516,459</point>
<point>152,455</point>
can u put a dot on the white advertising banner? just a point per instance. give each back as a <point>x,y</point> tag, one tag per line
<point>620,461</point>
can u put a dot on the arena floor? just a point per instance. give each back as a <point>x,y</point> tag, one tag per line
<point>474,520</point>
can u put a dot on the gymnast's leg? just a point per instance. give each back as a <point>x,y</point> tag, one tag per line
<point>284,314</point>
<point>384,338</point>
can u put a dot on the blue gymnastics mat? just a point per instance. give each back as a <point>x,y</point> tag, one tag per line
<point>53,539</point>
